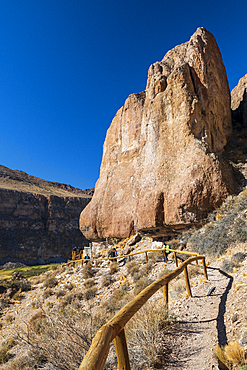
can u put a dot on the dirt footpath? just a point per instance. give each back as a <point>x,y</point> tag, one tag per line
<point>201,324</point>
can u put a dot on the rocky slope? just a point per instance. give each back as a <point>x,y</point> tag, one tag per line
<point>202,321</point>
<point>38,219</point>
<point>162,168</point>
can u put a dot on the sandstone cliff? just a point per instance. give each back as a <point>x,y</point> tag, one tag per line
<point>36,227</point>
<point>239,102</point>
<point>162,168</point>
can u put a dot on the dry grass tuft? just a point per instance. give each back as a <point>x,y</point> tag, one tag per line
<point>106,280</point>
<point>47,293</point>
<point>132,267</point>
<point>114,267</point>
<point>50,282</point>
<point>231,355</point>
<point>89,283</point>
<point>145,334</point>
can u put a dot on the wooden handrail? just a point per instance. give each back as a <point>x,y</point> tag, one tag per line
<point>114,329</point>
<point>175,252</point>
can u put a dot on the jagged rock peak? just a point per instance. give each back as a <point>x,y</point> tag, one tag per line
<point>239,101</point>
<point>161,167</point>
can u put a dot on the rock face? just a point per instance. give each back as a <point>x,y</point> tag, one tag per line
<point>239,102</point>
<point>37,228</point>
<point>162,168</point>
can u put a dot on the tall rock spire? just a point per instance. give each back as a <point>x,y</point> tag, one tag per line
<point>161,168</point>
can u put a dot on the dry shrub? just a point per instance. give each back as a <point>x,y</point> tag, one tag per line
<point>114,267</point>
<point>194,271</point>
<point>37,323</point>
<point>71,297</point>
<point>8,319</point>
<point>235,353</point>
<point>141,284</point>
<point>136,276</point>
<point>87,271</point>
<point>145,335</point>
<point>144,270</point>
<point>60,293</point>
<point>4,355</point>
<point>118,299</point>
<point>18,295</point>
<point>62,342</point>
<point>227,266</point>
<point>177,289</point>
<point>106,280</point>
<point>164,272</point>
<point>47,293</point>
<point>69,286</point>
<point>50,282</point>
<point>230,355</point>
<point>132,267</point>
<point>89,283</point>
<point>90,293</point>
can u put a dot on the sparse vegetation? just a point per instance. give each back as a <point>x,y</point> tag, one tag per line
<point>90,293</point>
<point>114,267</point>
<point>106,280</point>
<point>50,282</point>
<point>145,334</point>
<point>132,267</point>
<point>89,283</point>
<point>141,284</point>
<point>47,293</point>
<point>231,355</point>
<point>220,232</point>
<point>88,271</point>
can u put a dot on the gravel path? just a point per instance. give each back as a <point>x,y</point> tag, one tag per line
<point>201,324</point>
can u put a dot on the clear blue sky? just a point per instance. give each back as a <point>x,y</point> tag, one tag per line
<point>67,66</point>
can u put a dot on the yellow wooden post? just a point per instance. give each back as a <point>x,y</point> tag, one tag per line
<point>82,262</point>
<point>187,281</point>
<point>146,256</point>
<point>204,268</point>
<point>175,258</point>
<point>165,295</point>
<point>122,351</point>
<point>165,256</point>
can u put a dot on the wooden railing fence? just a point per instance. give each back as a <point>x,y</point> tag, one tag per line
<point>114,329</point>
<point>96,260</point>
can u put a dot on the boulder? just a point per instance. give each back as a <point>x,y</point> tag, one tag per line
<point>162,169</point>
<point>239,102</point>
<point>135,239</point>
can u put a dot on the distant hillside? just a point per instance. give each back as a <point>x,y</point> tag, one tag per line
<point>21,181</point>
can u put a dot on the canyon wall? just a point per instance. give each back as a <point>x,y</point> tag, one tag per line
<point>38,228</point>
<point>162,168</point>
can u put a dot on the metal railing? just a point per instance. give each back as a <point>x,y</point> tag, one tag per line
<point>113,330</point>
